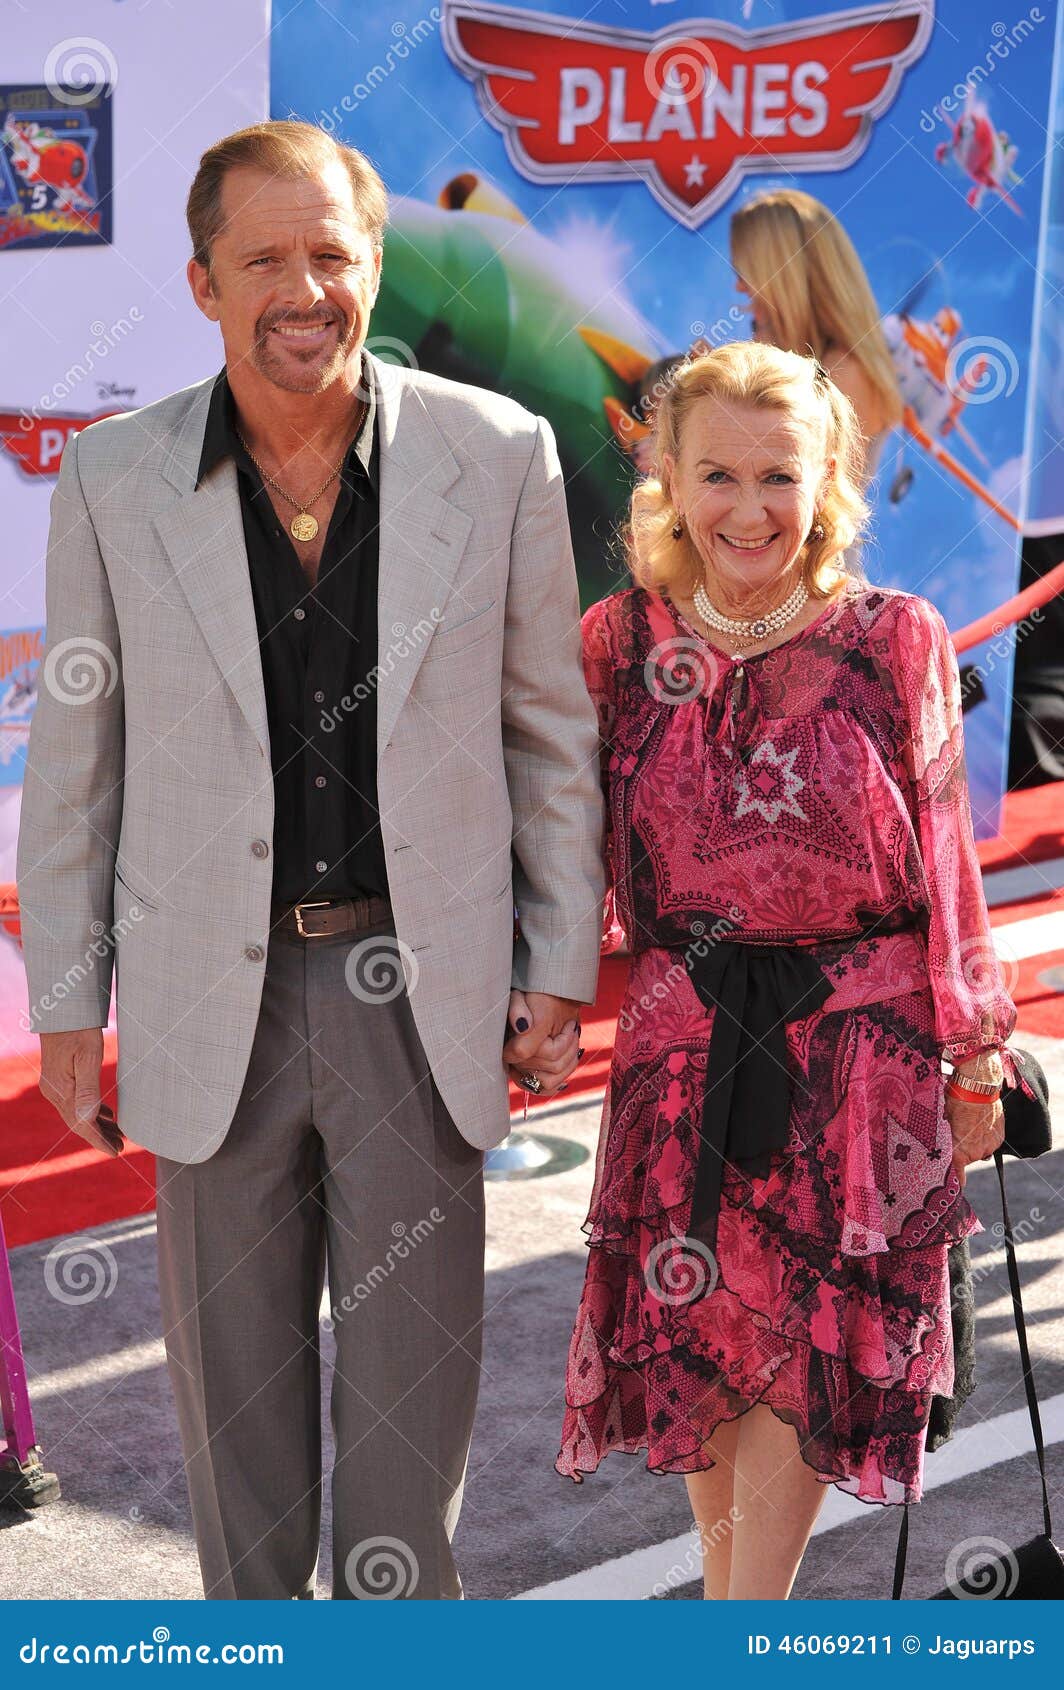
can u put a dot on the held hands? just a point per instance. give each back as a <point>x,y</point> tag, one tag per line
<point>978,1128</point>
<point>549,1044</point>
<point>70,1080</point>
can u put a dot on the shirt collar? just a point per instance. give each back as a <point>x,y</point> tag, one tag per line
<point>220,438</point>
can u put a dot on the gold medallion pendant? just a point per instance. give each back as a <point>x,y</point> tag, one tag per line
<point>304,526</point>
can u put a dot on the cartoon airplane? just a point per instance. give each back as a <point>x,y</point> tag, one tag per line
<point>934,397</point>
<point>46,160</point>
<point>17,696</point>
<point>477,294</point>
<point>984,154</point>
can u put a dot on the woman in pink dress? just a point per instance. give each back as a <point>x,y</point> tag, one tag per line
<point>781,1162</point>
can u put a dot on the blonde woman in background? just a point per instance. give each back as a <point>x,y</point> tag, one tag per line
<point>809,293</point>
<point>779,1175</point>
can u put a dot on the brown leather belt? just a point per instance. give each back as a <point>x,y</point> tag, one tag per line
<point>318,918</point>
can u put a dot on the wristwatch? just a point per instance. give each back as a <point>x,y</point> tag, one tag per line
<point>981,1088</point>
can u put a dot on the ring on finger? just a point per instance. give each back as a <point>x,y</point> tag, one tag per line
<point>532,1082</point>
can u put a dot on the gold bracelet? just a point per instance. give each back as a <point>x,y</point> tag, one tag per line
<point>959,1084</point>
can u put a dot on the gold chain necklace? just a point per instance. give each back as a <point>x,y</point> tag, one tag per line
<point>304,526</point>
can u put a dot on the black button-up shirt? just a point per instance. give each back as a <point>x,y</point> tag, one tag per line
<point>318,645</point>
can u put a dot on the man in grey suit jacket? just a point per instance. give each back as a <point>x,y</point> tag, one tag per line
<point>300,745</point>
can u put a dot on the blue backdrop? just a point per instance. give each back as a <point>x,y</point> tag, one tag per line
<point>609,254</point>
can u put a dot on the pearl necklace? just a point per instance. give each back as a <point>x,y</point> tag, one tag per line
<point>749,628</point>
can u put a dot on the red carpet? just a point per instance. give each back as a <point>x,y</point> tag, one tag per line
<point>51,1183</point>
<point>1033,829</point>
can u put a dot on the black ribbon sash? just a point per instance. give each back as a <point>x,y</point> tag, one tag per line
<point>754,991</point>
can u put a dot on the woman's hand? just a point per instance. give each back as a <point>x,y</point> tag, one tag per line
<point>978,1128</point>
<point>547,1045</point>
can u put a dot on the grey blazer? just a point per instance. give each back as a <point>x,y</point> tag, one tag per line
<point>147,808</point>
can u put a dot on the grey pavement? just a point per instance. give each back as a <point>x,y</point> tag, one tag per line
<point>122,1528</point>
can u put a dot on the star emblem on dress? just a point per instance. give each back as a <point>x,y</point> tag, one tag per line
<point>769,784</point>
<point>695,172</point>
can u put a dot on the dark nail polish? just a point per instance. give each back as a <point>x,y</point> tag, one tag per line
<point>580,1052</point>
<point>521,1025</point>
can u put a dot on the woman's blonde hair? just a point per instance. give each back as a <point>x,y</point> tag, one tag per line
<point>750,372</point>
<point>796,257</point>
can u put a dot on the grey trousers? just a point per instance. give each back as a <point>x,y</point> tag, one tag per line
<point>340,1148</point>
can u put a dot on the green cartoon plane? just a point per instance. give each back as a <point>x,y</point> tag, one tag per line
<point>475,293</point>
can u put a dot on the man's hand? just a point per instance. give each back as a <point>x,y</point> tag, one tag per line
<point>547,1045</point>
<point>70,1080</point>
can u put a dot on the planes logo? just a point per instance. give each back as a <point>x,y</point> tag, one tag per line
<point>691,110</point>
<point>38,448</point>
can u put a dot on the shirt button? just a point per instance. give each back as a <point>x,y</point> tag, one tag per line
<point>259,848</point>
<point>321,866</point>
<point>319,697</point>
<point>299,613</point>
<point>319,780</point>
<point>254,953</point>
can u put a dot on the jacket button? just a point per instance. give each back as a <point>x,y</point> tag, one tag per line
<point>259,848</point>
<point>254,953</point>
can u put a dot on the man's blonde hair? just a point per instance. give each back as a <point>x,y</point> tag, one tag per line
<point>749,372</point>
<point>281,147</point>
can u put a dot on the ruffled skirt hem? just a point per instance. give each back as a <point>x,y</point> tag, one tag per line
<point>657,1361</point>
<point>876,1486</point>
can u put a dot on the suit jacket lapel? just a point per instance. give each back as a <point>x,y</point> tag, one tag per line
<point>203,534</point>
<point>422,539</point>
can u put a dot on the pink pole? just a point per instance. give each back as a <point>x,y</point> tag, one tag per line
<point>16,1431</point>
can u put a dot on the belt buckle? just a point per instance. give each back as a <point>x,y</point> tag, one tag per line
<point>319,904</point>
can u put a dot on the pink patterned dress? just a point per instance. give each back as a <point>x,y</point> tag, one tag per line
<point>813,796</point>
